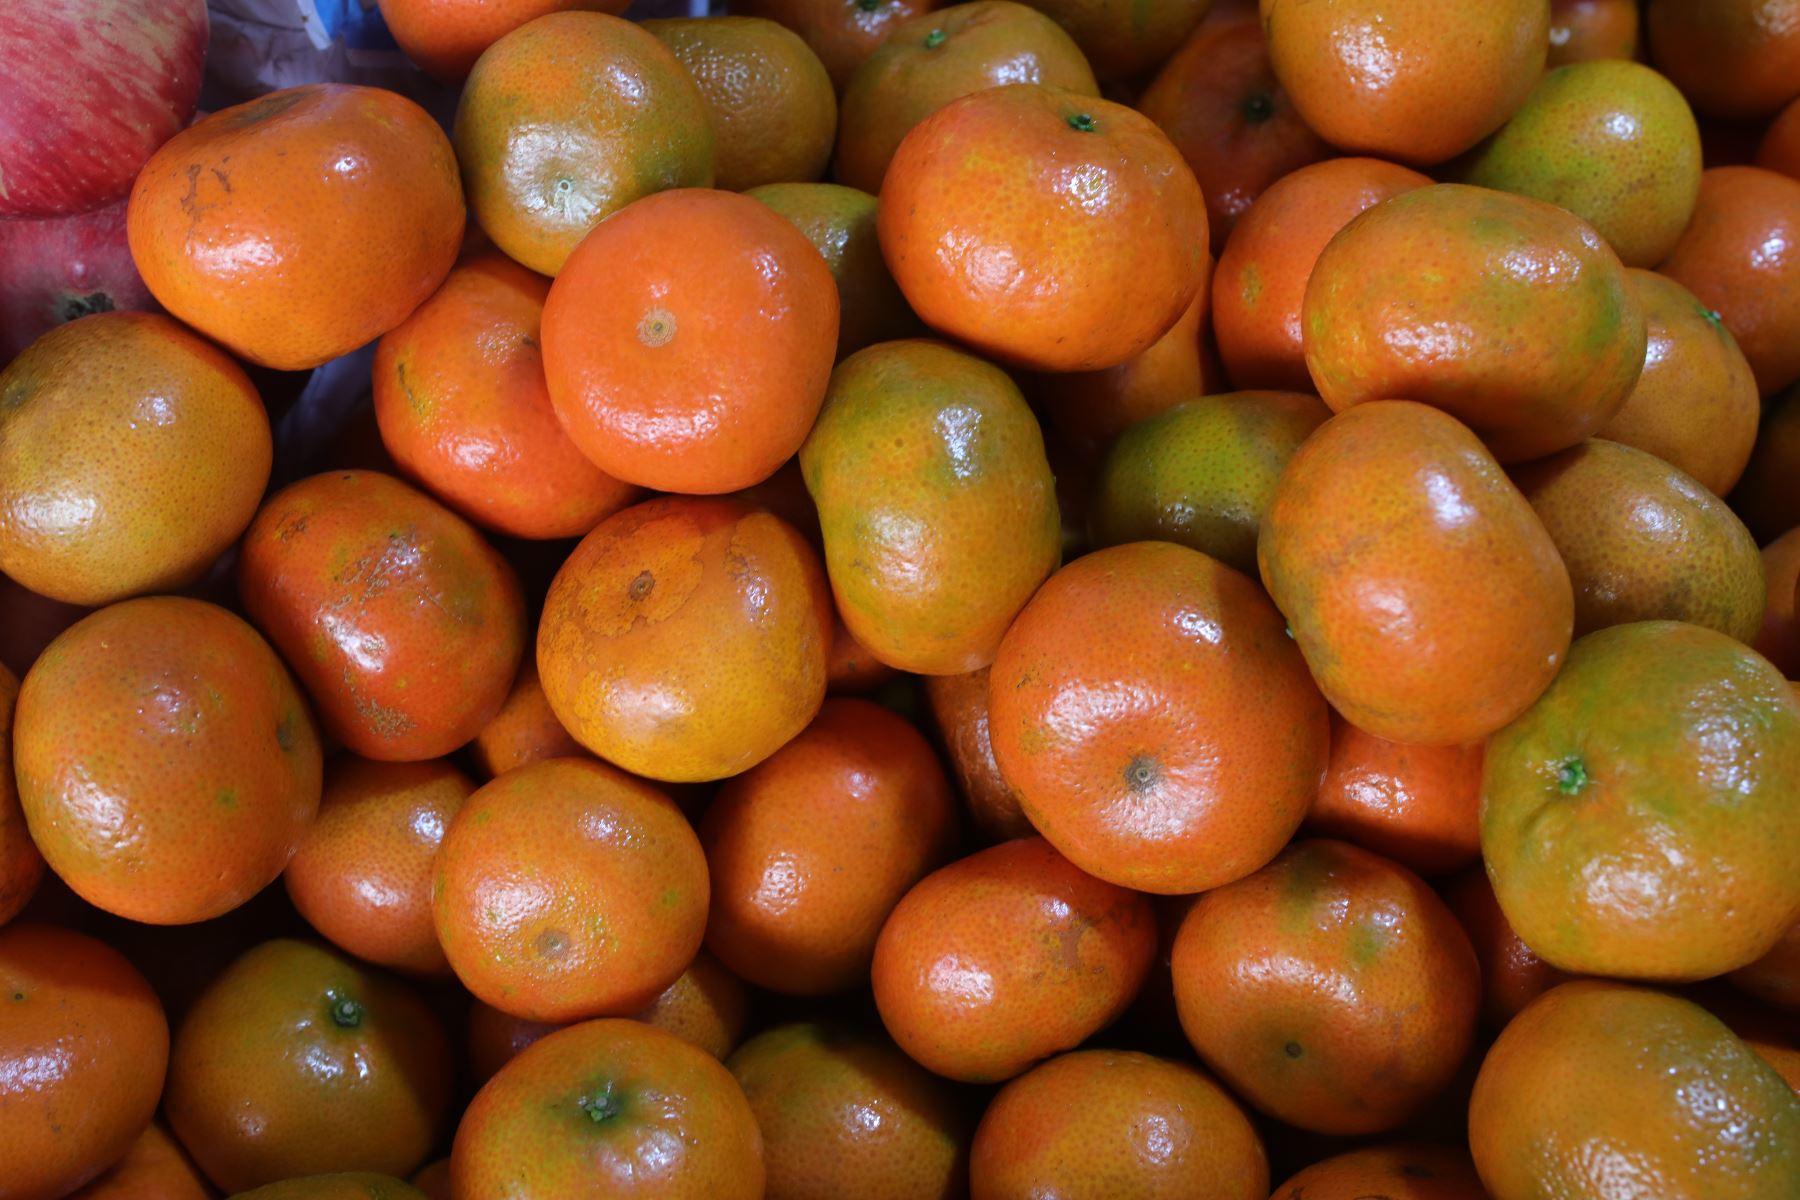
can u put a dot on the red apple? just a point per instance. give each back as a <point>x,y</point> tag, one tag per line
<point>88,90</point>
<point>55,269</point>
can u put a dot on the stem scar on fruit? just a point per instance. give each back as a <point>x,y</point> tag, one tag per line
<point>657,327</point>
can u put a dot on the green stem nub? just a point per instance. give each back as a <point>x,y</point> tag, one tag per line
<point>868,5</point>
<point>1082,123</point>
<point>345,1012</point>
<point>934,39</point>
<point>1572,777</point>
<point>1259,108</point>
<point>599,1107</point>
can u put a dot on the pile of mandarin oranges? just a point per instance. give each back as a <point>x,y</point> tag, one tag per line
<point>1067,600</point>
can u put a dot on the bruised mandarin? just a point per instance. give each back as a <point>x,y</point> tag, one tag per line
<point>1332,989</point>
<point>1506,312</point>
<point>463,407</point>
<point>362,874</point>
<point>1416,80</point>
<point>1400,642</point>
<point>689,340</point>
<point>1260,283</point>
<point>810,849</point>
<point>937,504</point>
<point>1612,142</point>
<point>1201,474</point>
<point>155,1168</point>
<point>840,223</point>
<point>1738,59</point>
<point>935,58</point>
<point>773,107</point>
<point>21,866</point>
<point>568,119</point>
<point>523,731</point>
<point>844,1113</point>
<point>362,1081</point>
<point>300,225</point>
<point>404,624</point>
<point>1391,1172</point>
<point>1599,1086</point>
<point>959,706</point>
<point>1008,956</point>
<point>82,1054</point>
<point>609,1110</point>
<point>567,889</point>
<point>1636,820</point>
<point>1724,260</point>
<point>1418,805</point>
<point>1695,406</point>
<point>445,37</point>
<point>173,719</point>
<point>132,454</point>
<point>1220,103</point>
<point>1512,975</point>
<point>1116,1123</point>
<point>841,32</point>
<point>1584,30</point>
<point>1175,754</point>
<point>1046,228</point>
<point>685,639</point>
<point>1643,541</point>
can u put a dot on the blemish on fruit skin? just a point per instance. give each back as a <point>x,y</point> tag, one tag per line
<point>1252,288</point>
<point>228,798</point>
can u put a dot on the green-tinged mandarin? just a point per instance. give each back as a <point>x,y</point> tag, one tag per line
<point>937,57</point>
<point>1638,820</point>
<point>937,504</point>
<point>604,1109</point>
<point>840,222</point>
<point>1614,143</point>
<point>1202,473</point>
<point>297,1060</point>
<point>1510,314</point>
<point>1600,1089</point>
<point>1696,404</point>
<point>844,1113</point>
<point>1644,541</point>
<point>568,119</point>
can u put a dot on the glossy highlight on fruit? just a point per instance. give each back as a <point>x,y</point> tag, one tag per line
<point>172,719</point>
<point>1397,641</point>
<point>1183,755</point>
<point>300,225</point>
<point>1632,818</point>
<point>685,638</point>
<point>404,624</point>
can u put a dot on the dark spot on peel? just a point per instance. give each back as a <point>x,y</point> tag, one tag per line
<point>642,585</point>
<point>552,943</point>
<point>1293,1050</point>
